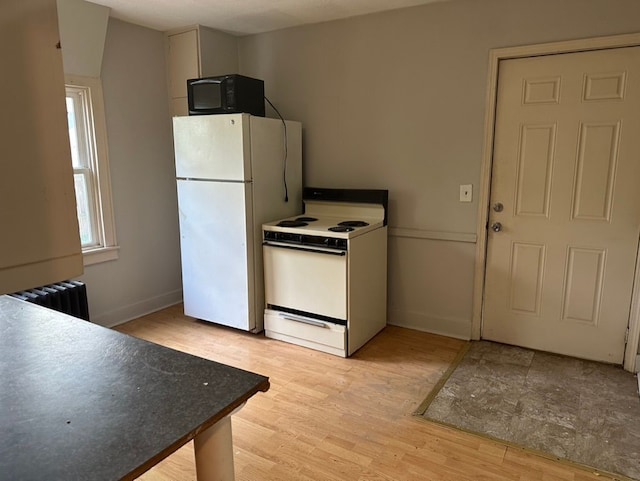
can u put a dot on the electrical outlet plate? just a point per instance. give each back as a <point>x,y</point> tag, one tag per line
<point>466,193</point>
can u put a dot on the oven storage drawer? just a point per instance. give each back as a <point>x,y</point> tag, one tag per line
<point>323,336</point>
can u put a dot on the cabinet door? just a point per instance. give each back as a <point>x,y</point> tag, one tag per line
<point>40,239</point>
<point>183,62</point>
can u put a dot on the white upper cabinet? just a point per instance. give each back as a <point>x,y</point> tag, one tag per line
<point>183,62</point>
<point>40,243</point>
<point>196,52</point>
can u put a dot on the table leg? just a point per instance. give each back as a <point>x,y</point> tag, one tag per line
<point>214,452</point>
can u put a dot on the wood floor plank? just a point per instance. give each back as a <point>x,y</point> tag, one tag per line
<point>327,418</point>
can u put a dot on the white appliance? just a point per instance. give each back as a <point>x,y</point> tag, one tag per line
<point>326,271</point>
<point>231,171</point>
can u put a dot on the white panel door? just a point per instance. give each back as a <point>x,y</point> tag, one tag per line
<point>216,239</point>
<point>213,147</point>
<point>560,266</point>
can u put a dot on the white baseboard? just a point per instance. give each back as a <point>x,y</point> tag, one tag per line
<point>456,328</point>
<point>132,311</point>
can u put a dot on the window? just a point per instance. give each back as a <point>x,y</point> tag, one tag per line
<point>87,137</point>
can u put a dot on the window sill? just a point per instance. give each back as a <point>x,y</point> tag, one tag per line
<point>101,254</point>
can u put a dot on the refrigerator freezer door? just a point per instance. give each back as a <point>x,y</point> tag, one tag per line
<point>213,147</point>
<point>216,241</point>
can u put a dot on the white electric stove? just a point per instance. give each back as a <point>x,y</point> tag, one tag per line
<point>326,271</point>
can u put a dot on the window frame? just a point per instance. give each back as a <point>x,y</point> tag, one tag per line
<point>105,248</point>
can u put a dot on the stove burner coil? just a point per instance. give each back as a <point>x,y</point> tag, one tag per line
<point>306,219</point>
<point>291,223</point>
<point>341,228</point>
<point>354,223</point>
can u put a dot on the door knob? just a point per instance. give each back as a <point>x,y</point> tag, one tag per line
<point>498,207</point>
<point>496,227</point>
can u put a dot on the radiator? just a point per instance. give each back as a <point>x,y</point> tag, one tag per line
<point>69,297</point>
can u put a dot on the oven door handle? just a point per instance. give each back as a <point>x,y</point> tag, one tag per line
<point>304,320</point>
<point>305,249</point>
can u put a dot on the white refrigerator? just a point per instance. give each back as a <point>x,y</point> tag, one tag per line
<point>231,171</point>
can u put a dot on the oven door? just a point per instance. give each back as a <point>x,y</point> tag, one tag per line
<point>312,281</point>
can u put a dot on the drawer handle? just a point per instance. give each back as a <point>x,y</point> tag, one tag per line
<point>305,321</point>
<point>328,251</point>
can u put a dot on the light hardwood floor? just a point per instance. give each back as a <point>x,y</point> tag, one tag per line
<point>331,419</point>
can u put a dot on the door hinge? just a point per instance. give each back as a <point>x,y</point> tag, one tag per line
<point>626,336</point>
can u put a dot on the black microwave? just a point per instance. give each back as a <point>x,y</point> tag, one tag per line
<point>226,94</point>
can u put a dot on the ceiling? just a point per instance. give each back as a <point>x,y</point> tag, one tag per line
<point>242,17</point>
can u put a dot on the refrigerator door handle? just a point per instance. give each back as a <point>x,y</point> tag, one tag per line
<point>202,179</point>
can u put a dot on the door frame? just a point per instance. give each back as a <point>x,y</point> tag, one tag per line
<point>495,56</point>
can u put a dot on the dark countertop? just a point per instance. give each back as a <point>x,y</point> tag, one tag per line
<point>82,402</point>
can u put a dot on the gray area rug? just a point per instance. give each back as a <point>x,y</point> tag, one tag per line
<point>582,411</point>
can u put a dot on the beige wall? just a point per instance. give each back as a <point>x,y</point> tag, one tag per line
<point>397,100</point>
<point>83,26</point>
<point>146,276</point>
